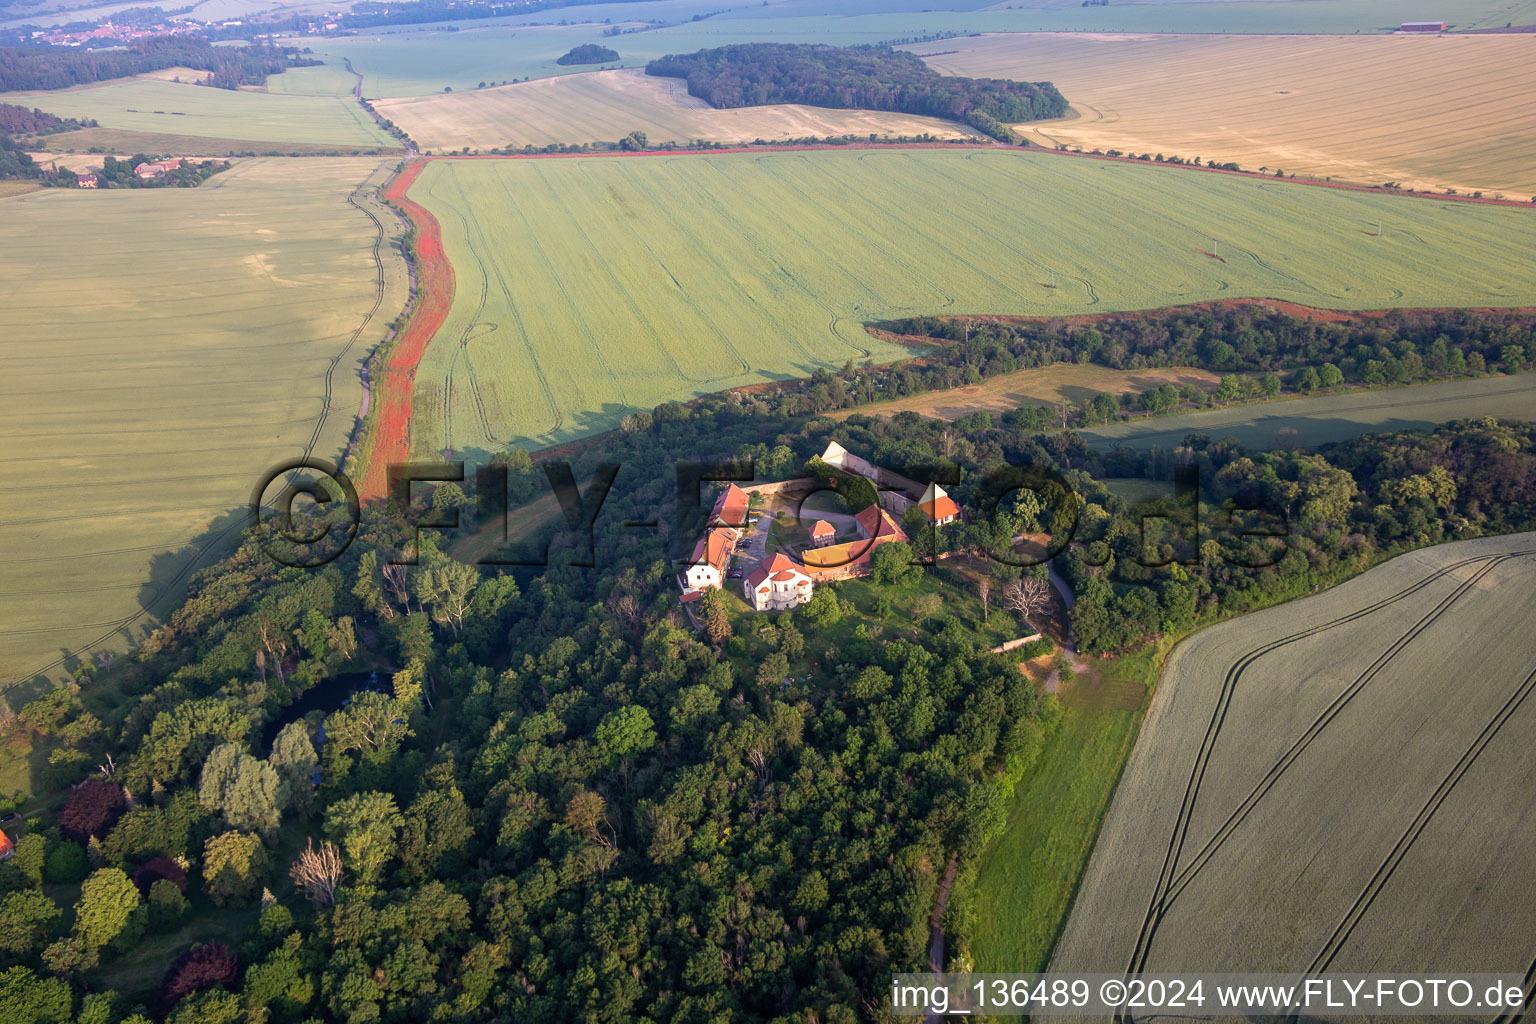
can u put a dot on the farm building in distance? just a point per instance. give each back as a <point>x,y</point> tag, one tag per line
<point>1422,26</point>
<point>148,170</point>
<point>86,181</point>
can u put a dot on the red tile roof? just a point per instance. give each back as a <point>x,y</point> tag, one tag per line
<point>942,507</point>
<point>878,525</point>
<point>730,508</point>
<point>714,549</point>
<point>823,529</point>
<point>778,568</point>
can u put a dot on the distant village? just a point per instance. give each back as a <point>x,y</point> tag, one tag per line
<point>785,578</point>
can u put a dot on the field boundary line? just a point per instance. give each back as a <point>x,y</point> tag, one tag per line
<point>995,148</point>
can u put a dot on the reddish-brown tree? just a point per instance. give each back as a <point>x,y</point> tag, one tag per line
<point>92,810</point>
<point>198,968</point>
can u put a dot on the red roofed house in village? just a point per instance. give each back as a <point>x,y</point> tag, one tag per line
<point>775,584</point>
<point>938,506</point>
<point>876,524</point>
<point>7,848</point>
<point>712,554</point>
<point>730,508</point>
<point>843,561</point>
<point>706,568</point>
<point>822,533</point>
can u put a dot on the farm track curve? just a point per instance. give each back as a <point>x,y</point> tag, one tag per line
<point>1170,876</point>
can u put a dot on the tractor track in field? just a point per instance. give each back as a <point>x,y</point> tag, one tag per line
<point>1170,876</point>
<point>214,540</point>
<point>378,302</point>
<point>1415,828</point>
<point>1529,987</point>
<point>1202,857</point>
<point>462,352</point>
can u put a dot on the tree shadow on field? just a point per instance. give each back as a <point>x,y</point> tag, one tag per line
<point>165,587</point>
<point>170,573</point>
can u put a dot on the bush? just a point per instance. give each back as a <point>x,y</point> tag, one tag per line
<point>166,904</point>
<point>92,810</point>
<point>1033,649</point>
<point>199,968</point>
<point>66,864</point>
<point>161,868</point>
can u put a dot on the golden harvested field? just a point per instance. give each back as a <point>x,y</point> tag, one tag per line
<point>1047,385</point>
<point>1425,111</point>
<point>605,106</point>
<point>1316,783</point>
<point>166,348</point>
<point>77,162</point>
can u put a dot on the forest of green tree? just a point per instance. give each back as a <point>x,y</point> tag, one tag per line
<point>18,120</point>
<point>864,78</point>
<point>58,67</point>
<point>1260,350</point>
<point>564,801</point>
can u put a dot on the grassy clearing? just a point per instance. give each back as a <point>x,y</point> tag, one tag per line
<point>1313,106</point>
<point>1354,777</point>
<point>1136,489</point>
<point>1047,385</point>
<point>1308,422</point>
<point>168,108</point>
<point>1029,874</point>
<point>605,106</point>
<point>590,287</point>
<point>221,310</point>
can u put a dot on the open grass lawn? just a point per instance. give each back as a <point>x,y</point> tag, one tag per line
<point>137,974</point>
<point>1321,419</point>
<point>257,119</point>
<point>1319,106</point>
<point>220,333</point>
<point>1047,385</point>
<point>605,106</point>
<point>1315,782</point>
<point>1136,490</point>
<point>914,609</point>
<point>1028,876</point>
<point>591,287</point>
